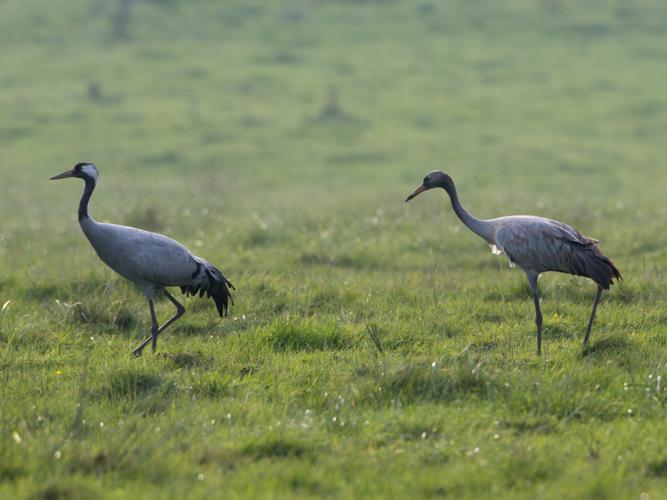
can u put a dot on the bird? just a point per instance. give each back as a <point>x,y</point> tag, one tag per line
<point>150,260</point>
<point>536,245</point>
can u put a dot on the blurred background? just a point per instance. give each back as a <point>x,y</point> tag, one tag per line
<point>253,129</point>
<point>278,139</point>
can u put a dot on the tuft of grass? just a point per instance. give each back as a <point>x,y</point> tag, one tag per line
<point>133,383</point>
<point>211,385</point>
<point>307,335</point>
<point>374,334</point>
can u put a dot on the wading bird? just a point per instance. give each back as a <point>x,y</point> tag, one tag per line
<point>536,245</point>
<point>149,260</point>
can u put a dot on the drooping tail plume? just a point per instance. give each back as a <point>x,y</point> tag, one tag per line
<point>598,267</point>
<point>212,282</point>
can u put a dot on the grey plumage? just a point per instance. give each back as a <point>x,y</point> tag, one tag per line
<point>535,244</point>
<point>541,245</point>
<point>149,260</point>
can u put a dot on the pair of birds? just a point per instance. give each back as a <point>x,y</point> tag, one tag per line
<point>153,262</point>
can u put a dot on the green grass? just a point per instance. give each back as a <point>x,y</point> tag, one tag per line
<point>377,349</point>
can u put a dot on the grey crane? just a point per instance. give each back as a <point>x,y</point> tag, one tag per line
<point>536,245</point>
<point>149,260</point>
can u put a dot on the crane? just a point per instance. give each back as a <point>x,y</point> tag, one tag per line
<point>149,260</point>
<point>536,245</point>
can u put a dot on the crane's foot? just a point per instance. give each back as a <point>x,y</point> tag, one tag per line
<point>137,352</point>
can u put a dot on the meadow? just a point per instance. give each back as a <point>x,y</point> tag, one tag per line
<point>377,349</point>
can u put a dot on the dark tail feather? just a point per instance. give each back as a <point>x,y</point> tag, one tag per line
<point>216,286</point>
<point>598,267</point>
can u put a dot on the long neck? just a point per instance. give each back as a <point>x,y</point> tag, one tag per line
<point>87,192</point>
<point>480,227</point>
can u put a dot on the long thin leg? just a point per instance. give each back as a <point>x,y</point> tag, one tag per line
<point>180,310</point>
<point>532,281</point>
<point>590,321</point>
<point>154,326</point>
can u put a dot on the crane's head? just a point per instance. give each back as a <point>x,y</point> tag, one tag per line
<point>434,179</point>
<point>84,170</point>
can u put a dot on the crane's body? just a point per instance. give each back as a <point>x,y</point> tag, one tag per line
<point>535,244</point>
<point>540,245</point>
<point>149,260</point>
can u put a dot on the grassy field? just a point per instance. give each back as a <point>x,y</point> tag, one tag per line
<point>278,140</point>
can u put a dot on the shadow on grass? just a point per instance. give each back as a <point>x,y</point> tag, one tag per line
<point>483,346</point>
<point>555,331</point>
<point>524,468</point>
<point>528,426</point>
<point>277,448</point>
<point>67,488</point>
<point>144,392</point>
<point>41,293</point>
<point>412,383</point>
<point>10,472</point>
<point>269,449</point>
<point>186,360</point>
<point>658,469</point>
<point>608,346</point>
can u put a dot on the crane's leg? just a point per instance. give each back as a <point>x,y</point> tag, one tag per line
<point>590,321</point>
<point>180,310</point>
<point>532,281</point>
<point>154,326</point>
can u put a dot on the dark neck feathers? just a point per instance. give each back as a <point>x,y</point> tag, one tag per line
<point>87,192</point>
<point>450,188</point>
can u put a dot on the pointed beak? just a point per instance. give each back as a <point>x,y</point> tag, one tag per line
<point>64,175</point>
<point>417,191</point>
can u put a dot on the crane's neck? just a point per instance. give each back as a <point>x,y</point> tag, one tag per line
<point>480,227</point>
<point>87,192</point>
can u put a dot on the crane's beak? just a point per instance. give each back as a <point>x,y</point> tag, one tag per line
<point>64,175</point>
<point>417,191</point>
